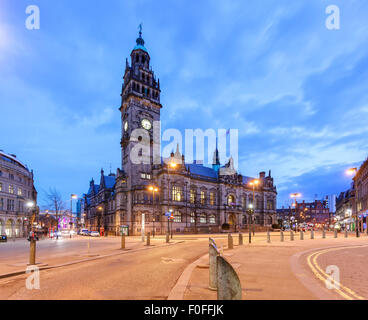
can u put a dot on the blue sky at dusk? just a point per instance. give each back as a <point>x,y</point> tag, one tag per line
<point>296,91</point>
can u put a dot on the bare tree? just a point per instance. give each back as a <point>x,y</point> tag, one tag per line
<point>55,203</point>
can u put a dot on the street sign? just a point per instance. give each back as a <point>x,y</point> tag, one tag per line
<point>168,214</point>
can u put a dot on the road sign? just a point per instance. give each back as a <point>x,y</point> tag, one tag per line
<point>168,214</point>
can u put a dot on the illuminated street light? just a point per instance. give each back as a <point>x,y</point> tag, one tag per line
<point>294,204</point>
<point>352,172</point>
<point>153,189</point>
<point>253,183</point>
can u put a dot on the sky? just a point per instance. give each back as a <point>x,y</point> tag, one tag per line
<point>295,90</point>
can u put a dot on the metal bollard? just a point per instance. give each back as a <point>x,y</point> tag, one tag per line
<point>268,236</point>
<point>323,234</point>
<point>282,236</point>
<point>213,253</point>
<point>240,239</point>
<point>228,283</point>
<point>335,233</point>
<point>291,235</point>
<point>312,234</point>
<point>167,237</point>
<point>301,235</point>
<point>230,243</point>
<point>148,239</point>
<point>123,241</point>
<point>32,252</point>
<point>346,233</point>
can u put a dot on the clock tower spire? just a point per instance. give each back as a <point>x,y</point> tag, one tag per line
<point>140,108</point>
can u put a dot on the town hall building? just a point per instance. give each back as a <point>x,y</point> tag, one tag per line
<point>172,195</point>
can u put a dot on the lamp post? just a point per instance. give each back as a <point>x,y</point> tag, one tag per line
<point>253,184</point>
<point>294,196</point>
<point>153,189</point>
<point>172,165</point>
<point>352,172</point>
<point>99,216</point>
<point>32,247</point>
<point>72,196</point>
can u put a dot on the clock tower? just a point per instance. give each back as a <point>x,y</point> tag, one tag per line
<point>140,108</point>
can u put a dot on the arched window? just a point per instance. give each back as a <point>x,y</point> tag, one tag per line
<point>230,200</point>
<point>137,58</point>
<point>203,196</point>
<point>177,193</point>
<point>202,218</point>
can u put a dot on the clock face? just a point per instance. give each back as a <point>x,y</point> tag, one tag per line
<point>146,124</point>
<point>126,126</point>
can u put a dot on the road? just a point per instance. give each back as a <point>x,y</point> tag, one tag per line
<point>267,271</point>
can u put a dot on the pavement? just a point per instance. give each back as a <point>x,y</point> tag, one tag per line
<point>289,270</point>
<point>277,270</point>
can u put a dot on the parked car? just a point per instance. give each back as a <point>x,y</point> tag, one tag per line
<point>94,234</point>
<point>84,232</point>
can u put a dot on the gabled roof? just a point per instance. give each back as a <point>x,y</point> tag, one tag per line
<point>109,181</point>
<point>201,170</point>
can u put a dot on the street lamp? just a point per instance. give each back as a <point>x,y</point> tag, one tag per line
<point>153,189</point>
<point>99,214</point>
<point>253,183</point>
<point>294,196</point>
<point>352,172</point>
<point>173,165</point>
<point>72,196</point>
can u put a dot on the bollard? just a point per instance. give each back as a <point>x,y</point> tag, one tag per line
<point>230,243</point>
<point>323,234</point>
<point>268,236</point>
<point>282,236</point>
<point>32,252</point>
<point>228,283</point>
<point>240,239</point>
<point>148,239</point>
<point>346,233</point>
<point>335,233</point>
<point>291,235</point>
<point>123,241</point>
<point>312,234</point>
<point>167,237</point>
<point>301,235</point>
<point>213,253</point>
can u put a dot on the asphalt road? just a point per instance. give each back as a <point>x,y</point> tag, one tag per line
<point>148,274</point>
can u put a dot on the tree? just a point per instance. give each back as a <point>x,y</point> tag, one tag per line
<point>55,203</point>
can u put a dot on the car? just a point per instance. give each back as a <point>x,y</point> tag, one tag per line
<point>56,234</point>
<point>94,234</point>
<point>84,232</point>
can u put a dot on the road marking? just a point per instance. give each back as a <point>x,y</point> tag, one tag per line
<point>344,291</point>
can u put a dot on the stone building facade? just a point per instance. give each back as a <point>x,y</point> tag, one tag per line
<point>16,189</point>
<point>199,198</point>
<point>361,193</point>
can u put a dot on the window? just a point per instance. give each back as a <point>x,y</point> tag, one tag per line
<point>11,189</point>
<point>202,218</point>
<point>244,202</point>
<point>11,176</point>
<point>1,187</point>
<point>176,193</point>
<point>212,199</point>
<point>192,217</point>
<point>19,191</point>
<point>177,216</point>
<point>1,204</point>
<point>1,173</point>
<point>203,197</point>
<point>230,200</point>
<point>192,195</point>
<point>212,219</point>
<point>270,205</point>
<point>146,176</point>
<point>10,205</point>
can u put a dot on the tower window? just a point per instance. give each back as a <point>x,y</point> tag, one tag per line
<point>137,58</point>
